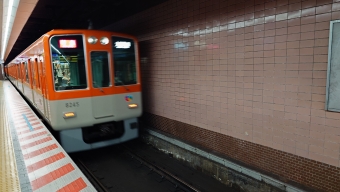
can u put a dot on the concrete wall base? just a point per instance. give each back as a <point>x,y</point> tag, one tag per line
<point>245,179</point>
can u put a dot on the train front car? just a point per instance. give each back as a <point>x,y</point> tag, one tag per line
<point>95,96</point>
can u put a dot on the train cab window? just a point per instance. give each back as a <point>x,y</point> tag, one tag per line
<point>124,57</point>
<point>100,69</point>
<point>68,60</point>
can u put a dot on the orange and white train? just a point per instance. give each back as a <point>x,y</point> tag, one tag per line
<point>84,83</point>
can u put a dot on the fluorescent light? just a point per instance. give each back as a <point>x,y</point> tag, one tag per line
<point>4,39</point>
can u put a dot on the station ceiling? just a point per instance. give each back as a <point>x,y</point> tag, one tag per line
<point>67,14</point>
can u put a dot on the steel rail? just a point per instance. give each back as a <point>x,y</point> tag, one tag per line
<point>162,172</point>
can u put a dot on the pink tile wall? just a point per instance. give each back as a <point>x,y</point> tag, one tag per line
<point>254,70</point>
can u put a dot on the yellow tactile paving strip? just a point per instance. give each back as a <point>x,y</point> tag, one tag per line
<point>9,180</point>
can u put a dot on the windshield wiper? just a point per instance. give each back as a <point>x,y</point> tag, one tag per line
<point>121,82</point>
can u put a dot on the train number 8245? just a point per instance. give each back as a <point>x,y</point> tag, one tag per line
<point>72,104</point>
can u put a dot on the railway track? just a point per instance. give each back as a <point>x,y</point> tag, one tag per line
<point>139,167</point>
<point>92,178</point>
<point>178,183</point>
<point>106,183</point>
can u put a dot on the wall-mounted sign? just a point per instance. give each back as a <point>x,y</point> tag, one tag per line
<point>333,69</point>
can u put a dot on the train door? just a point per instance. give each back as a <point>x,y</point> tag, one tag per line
<point>29,91</point>
<point>17,71</point>
<point>44,87</point>
<point>35,82</point>
<point>19,75</point>
<point>102,102</point>
<point>23,76</point>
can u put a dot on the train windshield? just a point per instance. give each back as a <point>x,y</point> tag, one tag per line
<point>68,62</point>
<point>124,58</point>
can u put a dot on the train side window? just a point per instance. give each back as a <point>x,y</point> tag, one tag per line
<point>27,79</point>
<point>100,69</point>
<point>68,62</point>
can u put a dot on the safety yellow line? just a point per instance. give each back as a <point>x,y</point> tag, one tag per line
<point>9,180</point>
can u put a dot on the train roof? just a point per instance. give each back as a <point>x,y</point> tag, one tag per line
<point>37,46</point>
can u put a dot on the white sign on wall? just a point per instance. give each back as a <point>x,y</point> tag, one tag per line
<point>333,69</point>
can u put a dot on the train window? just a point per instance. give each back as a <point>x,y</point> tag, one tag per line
<point>27,79</point>
<point>124,58</point>
<point>100,69</point>
<point>69,68</point>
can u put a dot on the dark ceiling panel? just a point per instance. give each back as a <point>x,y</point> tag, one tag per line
<point>74,14</point>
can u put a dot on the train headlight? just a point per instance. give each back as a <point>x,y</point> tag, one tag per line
<point>92,40</point>
<point>69,115</point>
<point>131,106</point>
<point>104,40</point>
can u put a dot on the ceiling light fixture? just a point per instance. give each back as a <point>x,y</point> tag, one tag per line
<point>5,36</point>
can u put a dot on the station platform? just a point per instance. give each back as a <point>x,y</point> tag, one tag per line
<point>30,157</point>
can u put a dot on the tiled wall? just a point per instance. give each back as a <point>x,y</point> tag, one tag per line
<point>254,70</point>
<point>306,174</point>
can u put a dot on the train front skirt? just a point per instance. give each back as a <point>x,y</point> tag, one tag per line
<point>74,140</point>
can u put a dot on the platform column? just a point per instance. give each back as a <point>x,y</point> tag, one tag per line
<point>2,73</point>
